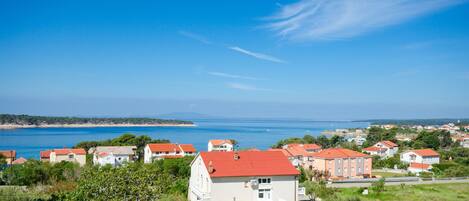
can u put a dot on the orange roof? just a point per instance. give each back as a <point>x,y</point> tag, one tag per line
<point>373,148</point>
<point>164,147</point>
<point>425,152</point>
<point>389,143</point>
<point>284,151</point>
<point>297,150</point>
<point>8,153</point>
<point>253,149</point>
<point>19,161</point>
<point>187,147</point>
<point>171,156</point>
<point>338,153</point>
<point>69,151</point>
<point>311,146</point>
<point>250,163</point>
<point>220,142</point>
<point>419,166</point>
<point>45,154</point>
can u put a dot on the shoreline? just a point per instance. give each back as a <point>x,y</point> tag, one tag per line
<point>14,126</point>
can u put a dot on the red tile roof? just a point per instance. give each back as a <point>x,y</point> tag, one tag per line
<point>332,153</point>
<point>69,151</point>
<point>45,154</point>
<point>297,150</point>
<point>425,152</point>
<point>389,143</point>
<point>284,151</point>
<point>164,147</point>
<point>311,146</point>
<point>373,149</point>
<point>187,147</point>
<point>220,142</point>
<point>419,166</point>
<point>19,161</point>
<point>8,153</point>
<point>250,163</point>
<point>253,149</point>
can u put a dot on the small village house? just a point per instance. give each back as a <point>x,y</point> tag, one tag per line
<point>167,150</point>
<point>220,145</point>
<point>425,156</point>
<point>419,167</point>
<point>384,149</point>
<point>342,163</point>
<point>9,155</point>
<point>45,155</point>
<point>299,154</point>
<point>243,176</point>
<point>70,155</point>
<point>113,155</point>
<point>19,161</point>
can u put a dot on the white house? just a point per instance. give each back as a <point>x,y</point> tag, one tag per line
<point>464,141</point>
<point>384,149</point>
<point>113,155</point>
<point>358,140</point>
<point>419,167</point>
<point>167,150</point>
<point>243,176</point>
<point>220,145</point>
<point>425,156</point>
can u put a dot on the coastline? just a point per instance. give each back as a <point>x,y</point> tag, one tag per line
<point>14,126</point>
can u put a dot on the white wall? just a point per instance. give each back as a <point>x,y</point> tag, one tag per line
<point>406,157</point>
<point>226,147</point>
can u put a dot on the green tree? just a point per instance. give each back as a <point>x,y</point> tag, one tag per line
<point>378,186</point>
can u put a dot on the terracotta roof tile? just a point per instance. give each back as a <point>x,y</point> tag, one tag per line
<point>19,161</point>
<point>8,153</point>
<point>188,148</point>
<point>389,143</point>
<point>311,146</point>
<point>373,148</point>
<point>425,152</point>
<point>220,142</point>
<point>164,147</point>
<point>284,151</point>
<point>419,166</point>
<point>45,154</point>
<point>250,163</point>
<point>69,151</point>
<point>338,153</point>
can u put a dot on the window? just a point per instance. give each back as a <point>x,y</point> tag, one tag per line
<point>70,156</point>
<point>264,194</point>
<point>264,180</point>
<point>167,152</point>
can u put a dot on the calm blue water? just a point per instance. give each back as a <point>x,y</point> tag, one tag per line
<point>249,133</point>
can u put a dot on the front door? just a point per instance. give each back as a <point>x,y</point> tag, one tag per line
<point>264,195</point>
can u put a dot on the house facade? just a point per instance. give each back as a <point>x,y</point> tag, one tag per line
<point>342,163</point>
<point>243,176</point>
<point>384,149</point>
<point>220,145</point>
<point>419,167</point>
<point>300,154</point>
<point>425,156</point>
<point>70,155</point>
<point>167,150</point>
<point>45,156</point>
<point>113,155</point>
<point>9,155</point>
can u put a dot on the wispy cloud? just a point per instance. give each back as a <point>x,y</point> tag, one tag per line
<point>245,87</point>
<point>220,74</point>
<point>309,20</point>
<point>195,37</point>
<point>256,54</point>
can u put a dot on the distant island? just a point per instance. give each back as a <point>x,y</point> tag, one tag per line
<point>423,122</point>
<point>11,121</point>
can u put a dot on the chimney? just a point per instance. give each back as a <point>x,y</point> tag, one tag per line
<point>210,167</point>
<point>236,156</point>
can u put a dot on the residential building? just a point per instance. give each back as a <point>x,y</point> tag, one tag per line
<point>243,176</point>
<point>300,154</point>
<point>167,150</point>
<point>419,167</point>
<point>425,156</point>
<point>45,155</point>
<point>19,161</point>
<point>113,155</point>
<point>71,155</point>
<point>384,149</point>
<point>220,145</point>
<point>342,163</point>
<point>358,140</point>
<point>9,155</point>
<point>464,141</point>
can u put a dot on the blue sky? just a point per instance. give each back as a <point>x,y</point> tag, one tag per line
<point>292,59</point>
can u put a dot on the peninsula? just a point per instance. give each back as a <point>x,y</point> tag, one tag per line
<point>11,121</point>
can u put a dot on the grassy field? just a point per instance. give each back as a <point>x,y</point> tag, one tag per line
<point>429,192</point>
<point>388,174</point>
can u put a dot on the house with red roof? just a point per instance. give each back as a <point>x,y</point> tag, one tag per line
<point>422,156</point>
<point>419,167</point>
<point>384,149</point>
<point>9,155</point>
<point>243,176</point>
<point>66,154</point>
<point>45,155</point>
<point>113,155</point>
<point>300,154</point>
<point>220,145</point>
<point>342,163</point>
<point>167,150</point>
<point>19,161</point>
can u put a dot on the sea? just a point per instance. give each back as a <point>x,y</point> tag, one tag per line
<point>249,133</point>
